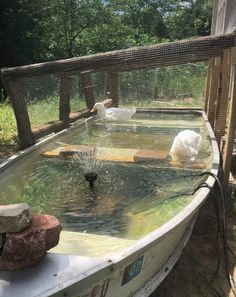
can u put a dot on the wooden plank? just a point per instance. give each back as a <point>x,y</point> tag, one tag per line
<point>213,92</point>
<point>223,98</point>
<point>227,160</point>
<point>208,83</point>
<point>165,54</point>
<point>126,155</point>
<point>88,88</point>
<point>25,135</point>
<point>114,84</point>
<point>64,109</point>
<point>233,55</point>
<point>48,128</point>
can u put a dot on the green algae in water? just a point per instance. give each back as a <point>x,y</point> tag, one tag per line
<point>128,201</point>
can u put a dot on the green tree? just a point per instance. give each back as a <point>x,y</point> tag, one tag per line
<point>22,33</point>
<point>143,16</point>
<point>190,18</point>
<point>84,27</point>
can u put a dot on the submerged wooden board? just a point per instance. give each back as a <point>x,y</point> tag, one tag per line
<point>152,123</point>
<point>121,155</point>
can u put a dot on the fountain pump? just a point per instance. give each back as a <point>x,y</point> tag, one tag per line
<point>91,177</point>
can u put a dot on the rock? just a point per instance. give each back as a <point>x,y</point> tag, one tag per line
<point>14,217</point>
<point>51,226</point>
<point>27,247</point>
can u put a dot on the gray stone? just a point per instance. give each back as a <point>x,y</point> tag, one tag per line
<point>14,217</point>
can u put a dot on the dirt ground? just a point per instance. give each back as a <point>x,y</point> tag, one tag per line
<point>192,276</point>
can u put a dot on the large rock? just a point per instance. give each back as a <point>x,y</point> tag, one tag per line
<point>27,247</point>
<point>14,217</point>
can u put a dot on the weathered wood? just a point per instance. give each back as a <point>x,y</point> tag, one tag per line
<point>74,116</point>
<point>233,55</point>
<point>88,88</point>
<point>127,155</point>
<point>114,83</point>
<point>165,54</point>
<point>48,128</point>
<point>222,102</point>
<point>213,91</point>
<point>208,83</point>
<point>227,160</point>
<point>25,135</point>
<point>64,109</point>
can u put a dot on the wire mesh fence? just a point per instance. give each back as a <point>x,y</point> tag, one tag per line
<point>170,75</point>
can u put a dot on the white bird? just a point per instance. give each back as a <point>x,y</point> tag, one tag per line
<point>113,114</point>
<point>186,145</point>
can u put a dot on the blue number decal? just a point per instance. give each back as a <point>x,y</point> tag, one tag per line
<point>132,270</point>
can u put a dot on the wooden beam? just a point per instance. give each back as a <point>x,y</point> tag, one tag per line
<point>229,145</point>
<point>165,54</point>
<point>208,83</point>
<point>64,108</point>
<point>114,84</point>
<point>25,135</point>
<point>48,128</point>
<point>213,90</point>
<point>88,88</point>
<point>222,102</point>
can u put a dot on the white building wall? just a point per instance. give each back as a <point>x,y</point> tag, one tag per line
<point>224,17</point>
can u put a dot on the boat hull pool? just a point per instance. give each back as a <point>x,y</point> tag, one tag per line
<point>136,270</point>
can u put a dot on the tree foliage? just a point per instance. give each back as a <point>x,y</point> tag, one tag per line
<point>34,31</point>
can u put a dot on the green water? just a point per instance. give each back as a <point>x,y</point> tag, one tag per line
<point>128,200</point>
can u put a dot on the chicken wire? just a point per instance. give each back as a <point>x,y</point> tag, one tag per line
<point>171,86</point>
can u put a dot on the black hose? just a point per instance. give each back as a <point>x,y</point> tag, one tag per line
<point>223,231</point>
<point>221,226</point>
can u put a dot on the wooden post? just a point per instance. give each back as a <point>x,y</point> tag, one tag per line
<point>64,109</point>
<point>222,103</point>
<point>213,90</point>
<point>88,89</point>
<point>26,137</point>
<point>229,145</point>
<point>114,83</point>
<point>208,83</point>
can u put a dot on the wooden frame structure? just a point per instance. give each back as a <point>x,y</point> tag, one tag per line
<point>217,50</point>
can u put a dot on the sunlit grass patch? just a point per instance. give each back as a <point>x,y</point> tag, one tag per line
<point>8,130</point>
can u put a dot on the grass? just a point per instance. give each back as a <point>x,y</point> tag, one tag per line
<point>43,111</point>
<point>40,112</point>
<point>47,110</point>
<point>174,103</point>
<point>178,86</point>
<point>8,138</point>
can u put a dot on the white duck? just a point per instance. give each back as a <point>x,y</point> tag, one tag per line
<point>114,113</point>
<point>186,145</point>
